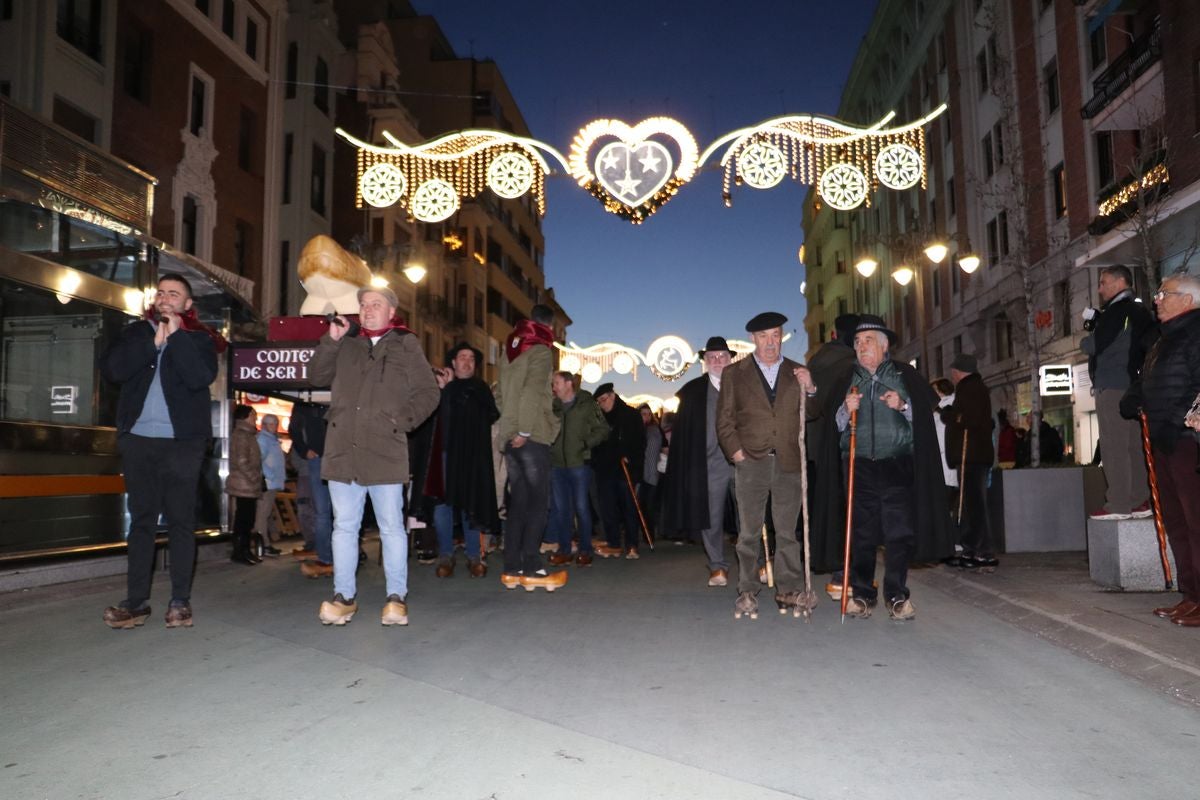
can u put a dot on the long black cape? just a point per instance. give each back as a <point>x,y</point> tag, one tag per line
<point>685,484</point>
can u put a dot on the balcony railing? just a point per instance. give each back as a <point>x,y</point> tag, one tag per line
<point>1127,68</point>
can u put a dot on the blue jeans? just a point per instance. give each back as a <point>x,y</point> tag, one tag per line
<point>388,501</point>
<point>323,511</point>
<point>569,498</point>
<point>443,519</point>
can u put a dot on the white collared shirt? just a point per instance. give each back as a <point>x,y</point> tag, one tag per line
<point>769,371</point>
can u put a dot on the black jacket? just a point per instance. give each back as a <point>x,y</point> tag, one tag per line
<point>1114,316</point>
<point>307,428</point>
<point>1169,382</point>
<point>685,484</point>
<point>189,366</point>
<point>626,439</point>
<point>971,412</point>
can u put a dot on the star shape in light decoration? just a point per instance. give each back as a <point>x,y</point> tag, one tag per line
<point>628,185</point>
<point>649,161</point>
<point>610,160</point>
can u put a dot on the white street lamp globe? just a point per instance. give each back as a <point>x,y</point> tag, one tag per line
<point>903,275</point>
<point>969,263</point>
<point>592,372</point>
<point>414,272</point>
<point>866,266</point>
<point>936,252</point>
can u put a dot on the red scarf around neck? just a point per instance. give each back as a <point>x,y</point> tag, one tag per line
<point>528,334</point>
<point>395,323</point>
<point>190,322</point>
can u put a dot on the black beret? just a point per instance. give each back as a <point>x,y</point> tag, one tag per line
<point>765,321</point>
<point>602,389</point>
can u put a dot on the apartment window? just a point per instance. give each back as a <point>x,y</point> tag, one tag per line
<point>247,127</point>
<point>79,25</point>
<point>242,236</point>
<point>1062,307</point>
<point>951,209</point>
<point>6,9</point>
<point>229,17</point>
<point>202,7</point>
<point>6,88</point>
<point>1105,171</point>
<point>1045,4</point>
<point>136,63</point>
<point>293,69</point>
<point>1058,183</point>
<point>200,105</point>
<point>1050,79</point>
<point>1097,48</point>
<point>842,307</point>
<point>939,44</point>
<point>957,344</point>
<point>947,129</point>
<point>321,85</point>
<point>989,162</point>
<point>1196,90</point>
<point>993,57</point>
<point>1002,232</point>
<point>821,332</point>
<point>251,43</point>
<point>981,67</point>
<point>1004,338</point>
<point>955,281</point>
<point>317,184</point>
<point>75,120</point>
<point>998,142</point>
<point>289,143</point>
<point>939,359</point>
<point>189,225</point>
<point>937,285</point>
<point>478,318</point>
<point>285,258</point>
<point>993,243</point>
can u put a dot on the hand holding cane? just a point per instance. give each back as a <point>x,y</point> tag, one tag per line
<point>962,474</point>
<point>849,507</point>
<point>1155,502</point>
<point>636,504</point>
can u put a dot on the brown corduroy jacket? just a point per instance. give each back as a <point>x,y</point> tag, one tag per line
<point>747,420</point>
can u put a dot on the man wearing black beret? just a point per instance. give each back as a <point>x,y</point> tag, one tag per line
<point>758,427</point>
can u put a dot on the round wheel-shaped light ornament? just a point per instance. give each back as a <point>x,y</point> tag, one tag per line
<point>434,201</point>
<point>622,363</point>
<point>569,363</point>
<point>592,372</point>
<point>762,165</point>
<point>510,175</point>
<point>843,186</point>
<point>382,185</point>
<point>898,166</point>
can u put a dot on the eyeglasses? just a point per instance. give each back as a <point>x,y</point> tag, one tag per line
<point>1161,294</point>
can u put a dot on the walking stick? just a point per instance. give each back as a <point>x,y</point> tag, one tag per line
<point>636,504</point>
<point>809,597</point>
<point>962,473</point>
<point>767,558</point>
<point>1159,527</point>
<point>849,507</point>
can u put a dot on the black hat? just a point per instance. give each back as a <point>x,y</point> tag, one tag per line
<point>602,390</point>
<point>716,344</point>
<point>765,321</point>
<point>846,325</point>
<point>965,362</point>
<point>870,322</point>
<point>454,351</point>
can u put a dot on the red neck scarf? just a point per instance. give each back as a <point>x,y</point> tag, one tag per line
<point>395,323</point>
<point>528,334</point>
<point>190,322</point>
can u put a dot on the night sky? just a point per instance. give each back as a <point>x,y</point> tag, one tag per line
<point>695,268</point>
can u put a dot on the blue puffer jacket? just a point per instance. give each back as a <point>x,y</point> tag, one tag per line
<point>1170,381</point>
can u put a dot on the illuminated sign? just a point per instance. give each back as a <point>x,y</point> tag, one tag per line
<point>271,366</point>
<point>62,399</point>
<point>1054,379</point>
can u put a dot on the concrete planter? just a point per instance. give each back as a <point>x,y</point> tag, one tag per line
<point>1044,509</point>
<point>1123,554</point>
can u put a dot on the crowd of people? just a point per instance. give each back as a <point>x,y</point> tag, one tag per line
<point>873,449</point>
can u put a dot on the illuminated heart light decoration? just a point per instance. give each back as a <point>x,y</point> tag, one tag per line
<point>634,175</point>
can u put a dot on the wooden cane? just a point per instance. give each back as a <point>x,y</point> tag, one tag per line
<point>804,508</point>
<point>962,474</point>
<point>767,558</point>
<point>849,507</point>
<point>1155,503</point>
<point>637,506</point>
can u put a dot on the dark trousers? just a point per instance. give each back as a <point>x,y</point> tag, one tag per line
<point>617,510</point>
<point>244,511</point>
<point>1179,493</point>
<point>883,515</point>
<point>528,505</point>
<point>162,476</point>
<point>976,535</point>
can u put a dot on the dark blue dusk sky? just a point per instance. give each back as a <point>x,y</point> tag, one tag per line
<point>695,268</point>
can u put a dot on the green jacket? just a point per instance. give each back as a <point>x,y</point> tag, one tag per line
<point>524,398</point>
<point>583,427</point>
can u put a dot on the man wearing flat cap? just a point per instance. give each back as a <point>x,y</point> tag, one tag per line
<point>899,490</point>
<point>696,484</point>
<point>626,442</point>
<point>381,388</point>
<point>971,417</point>
<point>758,427</point>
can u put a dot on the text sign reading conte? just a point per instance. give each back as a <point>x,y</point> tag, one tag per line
<point>272,366</point>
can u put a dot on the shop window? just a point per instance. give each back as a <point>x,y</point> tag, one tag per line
<point>79,24</point>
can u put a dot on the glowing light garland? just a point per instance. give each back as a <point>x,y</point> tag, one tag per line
<point>668,358</point>
<point>1130,191</point>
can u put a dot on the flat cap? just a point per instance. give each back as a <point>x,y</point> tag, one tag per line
<point>965,362</point>
<point>602,390</point>
<point>383,291</point>
<point>765,321</point>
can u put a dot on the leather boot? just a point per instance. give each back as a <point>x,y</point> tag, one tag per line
<point>241,550</point>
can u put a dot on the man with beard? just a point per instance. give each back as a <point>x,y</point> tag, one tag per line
<point>899,491</point>
<point>617,461</point>
<point>758,428</point>
<point>459,475</point>
<point>696,484</point>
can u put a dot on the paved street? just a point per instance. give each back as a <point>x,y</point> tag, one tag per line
<point>634,681</point>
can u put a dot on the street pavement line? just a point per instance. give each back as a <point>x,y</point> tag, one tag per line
<point>1108,637</point>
